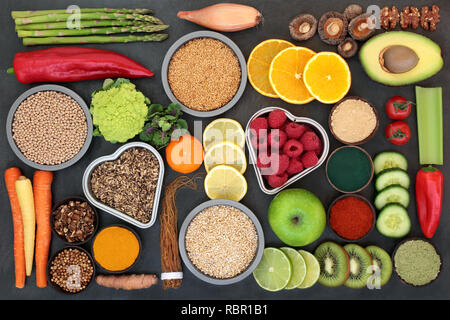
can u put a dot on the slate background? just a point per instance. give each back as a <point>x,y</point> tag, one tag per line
<point>277,16</point>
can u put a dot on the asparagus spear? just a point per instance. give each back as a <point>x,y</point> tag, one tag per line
<point>93,39</point>
<point>83,24</point>
<point>144,28</point>
<point>33,13</point>
<point>61,17</point>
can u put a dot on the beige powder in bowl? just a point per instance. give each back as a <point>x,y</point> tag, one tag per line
<point>353,120</point>
<point>204,74</point>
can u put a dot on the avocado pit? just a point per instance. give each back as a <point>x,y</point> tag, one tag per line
<point>398,59</point>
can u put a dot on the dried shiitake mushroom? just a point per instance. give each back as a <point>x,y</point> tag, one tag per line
<point>303,27</point>
<point>347,48</point>
<point>360,28</point>
<point>333,27</point>
<point>353,11</point>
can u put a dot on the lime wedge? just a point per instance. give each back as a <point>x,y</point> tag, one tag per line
<point>274,271</point>
<point>298,267</point>
<point>312,270</point>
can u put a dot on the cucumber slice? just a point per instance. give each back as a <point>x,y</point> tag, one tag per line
<point>391,177</point>
<point>389,160</point>
<point>393,221</point>
<point>392,194</point>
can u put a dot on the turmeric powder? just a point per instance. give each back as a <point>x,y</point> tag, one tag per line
<point>116,248</point>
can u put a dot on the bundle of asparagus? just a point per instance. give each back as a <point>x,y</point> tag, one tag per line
<point>95,25</point>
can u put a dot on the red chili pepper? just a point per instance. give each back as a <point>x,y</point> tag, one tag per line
<point>429,192</point>
<point>65,64</point>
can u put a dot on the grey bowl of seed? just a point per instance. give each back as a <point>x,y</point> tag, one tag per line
<point>205,73</point>
<point>221,241</point>
<point>49,127</point>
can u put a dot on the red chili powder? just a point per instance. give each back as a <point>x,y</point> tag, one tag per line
<point>351,218</point>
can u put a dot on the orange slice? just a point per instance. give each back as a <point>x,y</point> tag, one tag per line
<point>258,65</point>
<point>286,75</point>
<point>327,77</point>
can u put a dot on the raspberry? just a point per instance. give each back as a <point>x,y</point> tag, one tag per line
<point>295,166</point>
<point>295,130</point>
<point>276,138</point>
<point>259,124</point>
<point>259,142</point>
<point>276,181</point>
<point>263,160</point>
<point>310,141</point>
<point>309,159</point>
<point>283,163</point>
<point>319,149</point>
<point>276,119</point>
<point>293,148</point>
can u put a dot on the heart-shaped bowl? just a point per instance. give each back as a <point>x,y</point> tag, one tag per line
<point>253,153</point>
<point>92,199</point>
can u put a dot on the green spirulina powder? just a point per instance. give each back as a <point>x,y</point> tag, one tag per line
<point>417,262</point>
<point>349,169</point>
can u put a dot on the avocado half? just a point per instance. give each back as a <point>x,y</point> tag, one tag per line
<point>429,54</point>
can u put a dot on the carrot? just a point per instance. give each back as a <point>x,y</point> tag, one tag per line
<point>11,176</point>
<point>225,17</point>
<point>24,192</point>
<point>42,183</point>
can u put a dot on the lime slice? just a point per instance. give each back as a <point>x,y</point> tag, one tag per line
<point>274,271</point>
<point>312,270</point>
<point>298,267</point>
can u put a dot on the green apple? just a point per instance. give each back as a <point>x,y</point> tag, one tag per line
<point>297,217</point>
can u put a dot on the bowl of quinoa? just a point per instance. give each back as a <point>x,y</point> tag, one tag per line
<point>221,241</point>
<point>205,73</point>
<point>49,127</point>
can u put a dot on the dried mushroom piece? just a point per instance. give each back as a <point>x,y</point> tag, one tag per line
<point>429,18</point>
<point>347,48</point>
<point>352,11</point>
<point>361,28</point>
<point>303,27</point>
<point>74,221</point>
<point>128,184</point>
<point>333,27</point>
<point>389,18</point>
<point>409,17</point>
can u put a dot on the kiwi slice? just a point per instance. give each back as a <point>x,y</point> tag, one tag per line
<point>360,261</point>
<point>382,263</point>
<point>334,264</point>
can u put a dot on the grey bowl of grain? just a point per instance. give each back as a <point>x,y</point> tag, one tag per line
<point>214,92</point>
<point>75,149</point>
<point>238,223</point>
<point>89,194</point>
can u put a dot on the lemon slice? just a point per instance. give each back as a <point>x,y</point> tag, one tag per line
<point>225,182</point>
<point>226,153</point>
<point>274,271</point>
<point>223,129</point>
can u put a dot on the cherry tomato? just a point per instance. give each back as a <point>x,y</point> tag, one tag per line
<point>398,133</point>
<point>398,108</point>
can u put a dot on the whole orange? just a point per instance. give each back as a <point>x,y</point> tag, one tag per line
<point>184,155</point>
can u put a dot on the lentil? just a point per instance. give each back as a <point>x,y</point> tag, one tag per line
<point>128,184</point>
<point>417,262</point>
<point>74,221</point>
<point>221,241</point>
<point>49,127</point>
<point>71,270</point>
<point>204,74</point>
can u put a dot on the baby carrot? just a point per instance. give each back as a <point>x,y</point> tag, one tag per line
<point>11,176</point>
<point>42,182</point>
<point>26,202</point>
